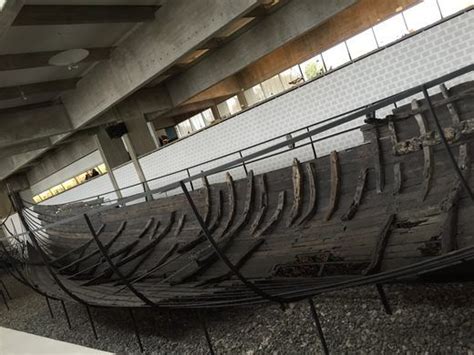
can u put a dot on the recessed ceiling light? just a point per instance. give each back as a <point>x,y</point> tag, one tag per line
<point>70,58</point>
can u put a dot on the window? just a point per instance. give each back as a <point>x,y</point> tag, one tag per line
<point>197,122</point>
<point>45,195</point>
<point>390,30</point>
<point>229,107</point>
<point>57,189</point>
<point>208,117</point>
<point>422,15</point>
<point>102,169</point>
<point>336,56</point>
<point>254,95</point>
<point>449,7</point>
<point>184,128</point>
<point>69,184</point>
<point>272,86</point>
<point>361,44</point>
<point>313,68</point>
<point>291,77</point>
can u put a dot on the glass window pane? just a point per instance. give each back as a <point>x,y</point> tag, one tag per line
<point>361,44</point>
<point>184,128</point>
<point>223,109</point>
<point>254,95</point>
<point>81,178</point>
<point>57,189</point>
<point>313,67</point>
<point>45,195</point>
<point>291,77</point>
<point>197,122</point>
<point>272,86</point>
<point>208,117</point>
<point>69,184</point>
<point>336,56</point>
<point>390,30</point>
<point>449,7</point>
<point>234,105</point>
<point>101,169</point>
<point>422,15</point>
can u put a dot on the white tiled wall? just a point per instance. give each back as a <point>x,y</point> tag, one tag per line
<point>423,57</point>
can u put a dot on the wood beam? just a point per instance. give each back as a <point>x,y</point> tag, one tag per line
<point>13,92</point>
<point>41,15</point>
<point>41,59</point>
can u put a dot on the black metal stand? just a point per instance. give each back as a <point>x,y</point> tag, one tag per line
<point>318,326</point>
<point>91,322</point>
<point>66,314</point>
<point>6,289</point>
<point>49,307</point>
<point>4,299</point>
<point>384,299</point>
<point>202,320</point>
<point>135,328</point>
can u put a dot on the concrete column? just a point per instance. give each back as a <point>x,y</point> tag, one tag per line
<point>139,133</point>
<point>135,161</point>
<point>216,113</point>
<point>154,134</point>
<point>243,100</point>
<point>113,154</point>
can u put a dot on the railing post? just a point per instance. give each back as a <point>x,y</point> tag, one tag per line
<point>317,323</point>
<point>243,164</point>
<point>190,181</point>
<point>312,145</point>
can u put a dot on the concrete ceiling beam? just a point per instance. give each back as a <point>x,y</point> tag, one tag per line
<point>41,59</point>
<point>180,27</point>
<point>21,126</point>
<point>19,91</point>
<point>45,15</point>
<point>273,31</point>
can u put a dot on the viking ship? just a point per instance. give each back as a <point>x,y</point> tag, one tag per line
<point>396,208</point>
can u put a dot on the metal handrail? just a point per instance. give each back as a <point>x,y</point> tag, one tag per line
<point>368,109</point>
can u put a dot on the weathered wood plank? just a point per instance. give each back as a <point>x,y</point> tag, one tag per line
<point>427,152</point>
<point>397,178</point>
<point>382,241</point>
<point>262,187</point>
<point>297,178</point>
<point>360,188</point>
<point>335,185</point>
<point>275,216</point>
<point>313,197</point>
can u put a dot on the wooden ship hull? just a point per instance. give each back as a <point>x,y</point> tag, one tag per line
<point>391,209</point>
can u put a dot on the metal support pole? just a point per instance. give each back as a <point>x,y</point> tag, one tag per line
<point>135,328</point>
<point>49,307</point>
<point>384,299</point>
<point>66,314</point>
<point>4,299</point>
<point>202,320</point>
<point>312,145</point>
<point>318,326</point>
<point>190,181</point>
<point>243,164</point>
<point>6,289</point>
<point>91,322</point>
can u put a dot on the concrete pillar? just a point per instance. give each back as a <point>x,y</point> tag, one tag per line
<point>243,100</point>
<point>113,154</point>
<point>135,161</point>
<point>216,113</point>
<point>139,133</point>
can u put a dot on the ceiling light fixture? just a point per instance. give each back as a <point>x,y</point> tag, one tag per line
<point>70,58</point>
<point>2,4</point>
